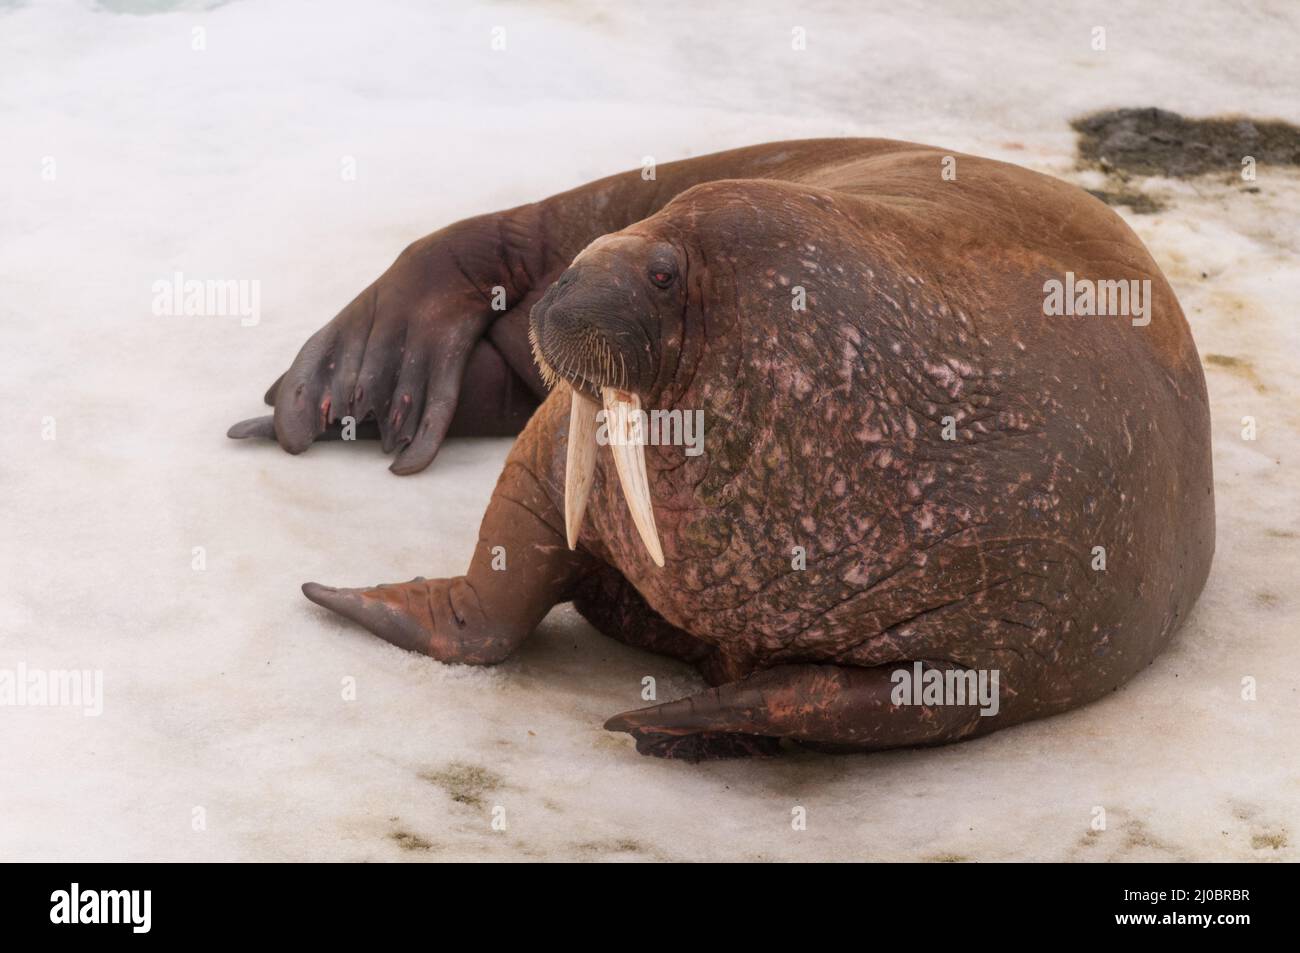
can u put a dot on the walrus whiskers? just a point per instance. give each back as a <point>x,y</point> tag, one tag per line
<point>549,375</point>
<point>590,359</point>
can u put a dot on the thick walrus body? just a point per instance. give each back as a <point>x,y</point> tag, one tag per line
<point>907,458</point>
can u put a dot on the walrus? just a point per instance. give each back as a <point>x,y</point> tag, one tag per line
<point>917,474</point>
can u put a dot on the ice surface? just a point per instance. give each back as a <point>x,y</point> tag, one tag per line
<point>223,687</point>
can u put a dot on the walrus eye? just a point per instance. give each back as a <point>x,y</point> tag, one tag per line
<point>662,276</point>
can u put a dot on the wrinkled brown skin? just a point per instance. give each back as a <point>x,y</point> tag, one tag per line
<point>823,430</point>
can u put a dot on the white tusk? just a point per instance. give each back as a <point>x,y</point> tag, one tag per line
<point>627,443</point>
<point>580,464</point>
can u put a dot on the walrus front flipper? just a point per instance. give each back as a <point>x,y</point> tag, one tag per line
<point>413,352</point>
<point>827,706</point>
<point>494,402</point>
<point>264,428</point>
<point>521,567</point>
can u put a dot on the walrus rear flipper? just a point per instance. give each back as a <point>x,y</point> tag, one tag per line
<point>834,707</point>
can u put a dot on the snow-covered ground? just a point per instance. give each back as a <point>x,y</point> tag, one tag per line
<point>127,155</point>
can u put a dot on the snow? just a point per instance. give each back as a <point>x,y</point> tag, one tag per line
<point>226,733</point>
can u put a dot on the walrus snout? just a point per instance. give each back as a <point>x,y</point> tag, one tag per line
<point>587,330</point>
<point>599,325</point>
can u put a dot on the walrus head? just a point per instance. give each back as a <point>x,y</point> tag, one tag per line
<point>602,323</point>
<point>608,329</point>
